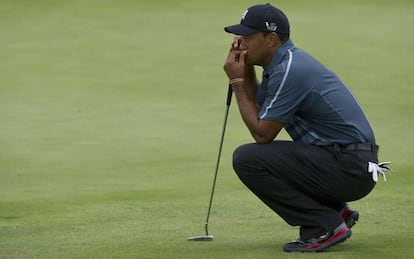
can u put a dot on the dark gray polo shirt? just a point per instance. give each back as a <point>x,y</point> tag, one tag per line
<point>315,105</point>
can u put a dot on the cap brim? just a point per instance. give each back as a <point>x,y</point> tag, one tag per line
<point>240,29</point>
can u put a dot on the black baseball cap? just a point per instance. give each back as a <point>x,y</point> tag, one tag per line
<point>263,17</point>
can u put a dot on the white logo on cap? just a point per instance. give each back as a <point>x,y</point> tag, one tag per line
<point>244,14</point>
<point>271,26</point>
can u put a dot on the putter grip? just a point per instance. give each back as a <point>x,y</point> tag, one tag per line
<point>229,94</point>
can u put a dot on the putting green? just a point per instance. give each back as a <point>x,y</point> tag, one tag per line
<point>111,113</point>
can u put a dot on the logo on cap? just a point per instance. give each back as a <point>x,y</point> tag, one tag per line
<point>271,26</point>
<point>244,14</point>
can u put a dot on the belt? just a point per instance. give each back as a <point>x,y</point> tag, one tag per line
<point>357,147</point>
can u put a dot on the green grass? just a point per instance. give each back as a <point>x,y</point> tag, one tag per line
<point>111,113</point>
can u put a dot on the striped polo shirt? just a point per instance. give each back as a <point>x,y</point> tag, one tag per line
<point>313,103</point>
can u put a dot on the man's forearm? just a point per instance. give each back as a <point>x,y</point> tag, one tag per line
<point>245,97</point>
<point>261,130</point>
<point>251,79</point>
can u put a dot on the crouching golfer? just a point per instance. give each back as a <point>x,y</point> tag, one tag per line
<point>333,156</point>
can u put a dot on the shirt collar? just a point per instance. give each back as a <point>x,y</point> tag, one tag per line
<point>279,54</point>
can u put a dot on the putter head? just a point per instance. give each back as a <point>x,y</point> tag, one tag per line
<point>201,238</point>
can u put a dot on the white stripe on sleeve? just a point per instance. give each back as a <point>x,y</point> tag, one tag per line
<point>280,86</point>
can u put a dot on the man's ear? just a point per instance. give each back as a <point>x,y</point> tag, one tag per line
<point>273,40</point>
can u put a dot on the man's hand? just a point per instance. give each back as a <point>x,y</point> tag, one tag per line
<point>234,65</point>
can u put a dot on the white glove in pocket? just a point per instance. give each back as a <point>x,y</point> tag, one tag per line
<point>380,168</point>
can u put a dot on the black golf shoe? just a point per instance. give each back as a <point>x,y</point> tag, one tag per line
<point>320,243</point>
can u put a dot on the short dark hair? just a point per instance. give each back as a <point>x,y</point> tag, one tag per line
<point>283,37</point>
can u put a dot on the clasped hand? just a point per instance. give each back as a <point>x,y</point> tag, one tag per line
<point>234,65</point>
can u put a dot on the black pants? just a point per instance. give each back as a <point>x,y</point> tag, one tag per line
<point>306,185</point>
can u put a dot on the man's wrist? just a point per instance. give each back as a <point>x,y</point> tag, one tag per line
<point>236,80</point>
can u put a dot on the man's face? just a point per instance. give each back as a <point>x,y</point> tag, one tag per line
<point>257,48</point>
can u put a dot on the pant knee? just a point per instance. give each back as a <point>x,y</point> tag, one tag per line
<point>243,159</point>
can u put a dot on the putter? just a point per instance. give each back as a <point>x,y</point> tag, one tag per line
<point>208,237</point>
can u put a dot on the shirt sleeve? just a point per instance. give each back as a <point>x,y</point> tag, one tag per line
<point>284,95</point>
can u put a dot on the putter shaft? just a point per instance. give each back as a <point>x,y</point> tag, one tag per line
<point>208,237</point>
